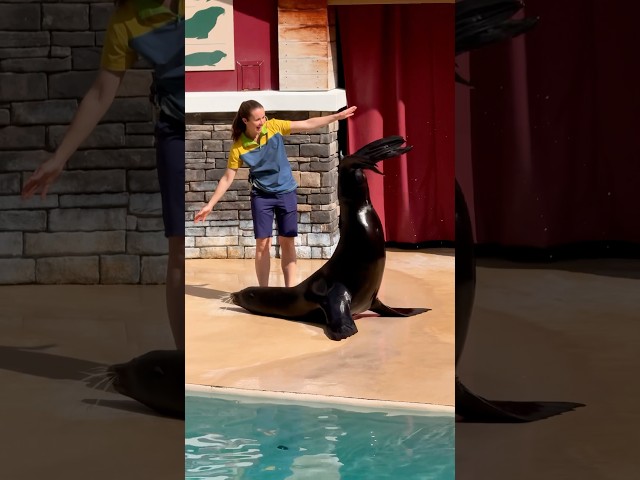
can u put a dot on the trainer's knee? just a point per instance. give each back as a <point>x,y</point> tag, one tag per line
<point>288,244</point>
<point>176,251</point>
<point>263,244</point>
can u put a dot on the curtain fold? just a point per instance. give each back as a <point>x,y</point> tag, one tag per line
<point>398,63</point>
<point>554,129</point>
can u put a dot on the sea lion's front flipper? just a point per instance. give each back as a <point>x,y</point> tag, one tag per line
<point>336,305</point>
<point>381,309</point>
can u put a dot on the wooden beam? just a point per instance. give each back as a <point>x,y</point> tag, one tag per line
<point>305,53</point>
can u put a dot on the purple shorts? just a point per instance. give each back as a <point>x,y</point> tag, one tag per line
<point>283,205</point>
<point>171,173</point>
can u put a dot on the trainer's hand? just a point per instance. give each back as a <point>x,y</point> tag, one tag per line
<point>346,113</point>
<point>201,216</point>
<point>42,178</point>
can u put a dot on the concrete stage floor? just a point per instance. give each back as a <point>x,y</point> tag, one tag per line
<point>563,331</point>
<point>56,423</point>
<point>391,359</point>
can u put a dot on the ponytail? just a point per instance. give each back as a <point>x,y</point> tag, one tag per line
<point>238,126</point>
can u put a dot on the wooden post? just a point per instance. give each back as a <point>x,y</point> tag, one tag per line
<point>305,54</point>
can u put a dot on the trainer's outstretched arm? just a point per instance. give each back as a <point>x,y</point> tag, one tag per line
<point>94,105</point>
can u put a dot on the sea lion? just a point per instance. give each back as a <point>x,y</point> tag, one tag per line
<point>480,23</point>
<point>202,23</point>
<point>348,283</point>
<point>155,379</point>
<point>201,59</point>
<point>469,406</point>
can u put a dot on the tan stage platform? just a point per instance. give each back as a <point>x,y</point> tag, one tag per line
<point>394,359</point>
<point>565,331</point>
<point>56,425</point>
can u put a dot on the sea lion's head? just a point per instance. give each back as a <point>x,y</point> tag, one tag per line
<point>243,297</point>
<point>253,298</point>
<point>352,181</point>
<point>155,379</point>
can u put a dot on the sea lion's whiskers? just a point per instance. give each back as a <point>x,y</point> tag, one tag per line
<point>226,300</point>
<point>100,368</point>
<point>104,378</point>
<point>109,383</point>
<point>93,375</point>
<point>107,380</point>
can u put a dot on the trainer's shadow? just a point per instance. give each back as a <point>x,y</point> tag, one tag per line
<point>33,361</point>
<point>202,292</point>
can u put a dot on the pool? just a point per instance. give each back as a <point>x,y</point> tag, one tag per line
<point>244,438</point>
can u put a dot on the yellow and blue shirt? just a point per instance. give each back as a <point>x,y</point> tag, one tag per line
<point>150,30</point>
<point>267,160</point>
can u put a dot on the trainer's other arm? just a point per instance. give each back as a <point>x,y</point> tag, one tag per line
<point>223,185</point>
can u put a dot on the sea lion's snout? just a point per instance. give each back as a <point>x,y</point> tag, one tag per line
<point>155,379</point>
<point>235,298</point>
<point>243,297</point>
<point>118,372</point>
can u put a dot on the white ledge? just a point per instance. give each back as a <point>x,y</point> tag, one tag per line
<point>272,100</point>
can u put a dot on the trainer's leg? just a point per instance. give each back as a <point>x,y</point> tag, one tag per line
<point>175,290</point>
<point>286,212</point>
<point>263,260</point>
<point>288,260</point>
<point>262,215</point>
<point>171,177</point>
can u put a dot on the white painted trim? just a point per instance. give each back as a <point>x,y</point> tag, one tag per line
<point>383,2</point>
<point>312,400</point>
<point>272,100</point>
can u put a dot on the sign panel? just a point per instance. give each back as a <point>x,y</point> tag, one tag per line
<point>209,35</point>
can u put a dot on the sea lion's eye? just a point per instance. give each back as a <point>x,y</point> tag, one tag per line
<point>158,370</point>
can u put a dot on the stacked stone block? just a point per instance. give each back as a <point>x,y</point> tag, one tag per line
<point>101,221</point>
<point>228,231</point>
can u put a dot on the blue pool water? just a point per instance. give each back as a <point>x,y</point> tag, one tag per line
<point>230,439</point>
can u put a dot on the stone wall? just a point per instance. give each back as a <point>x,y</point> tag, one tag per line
<point>228,231</point>
<point>100,222</point>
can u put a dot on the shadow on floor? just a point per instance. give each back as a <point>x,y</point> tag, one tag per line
<point>33,361</point>
<point>618,268</point>
<point>204,292</point>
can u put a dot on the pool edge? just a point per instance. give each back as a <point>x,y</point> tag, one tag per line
<point>349,403</point>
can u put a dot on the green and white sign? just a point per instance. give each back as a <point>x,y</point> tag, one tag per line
<point>209,35</point>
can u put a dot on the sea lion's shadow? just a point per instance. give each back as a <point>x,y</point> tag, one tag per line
<point>125,404</point>
<point>308,323</point>
<point>36,362</point>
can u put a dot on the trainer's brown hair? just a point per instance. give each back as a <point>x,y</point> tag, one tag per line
<point>238,126</point>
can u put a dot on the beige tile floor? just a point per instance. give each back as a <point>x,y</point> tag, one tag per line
<point>53,426</point>
<point>560,332</point>
<point>566,332</point>
<point>392,359</point>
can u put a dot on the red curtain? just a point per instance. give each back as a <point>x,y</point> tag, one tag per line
<point>554,129</point>
<point>398,65</point>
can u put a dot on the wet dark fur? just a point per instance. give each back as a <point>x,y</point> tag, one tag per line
<point>155,379</point>
<point>480,23</point>
<point>348,283</point>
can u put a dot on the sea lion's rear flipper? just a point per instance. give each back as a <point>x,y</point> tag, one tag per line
<point>336,305</point>
<point>381,309</point>
<point>473,408</point>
